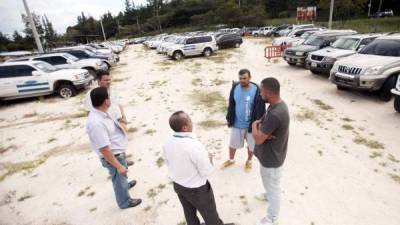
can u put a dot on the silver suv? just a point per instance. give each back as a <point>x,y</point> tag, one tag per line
<point>375,68</point>
<point>321,61</point>
<point>197,45</point>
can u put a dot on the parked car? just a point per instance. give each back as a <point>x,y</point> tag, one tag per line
<point>198,45</point>
<point>300,40</point>
<point>262,31</point>
<point>247,31</point>
<point>298,54</point>
<point>277,29</point>
<point>384,13</point>
<point>84,54</point>
<point>321,61</point>
<point>291,36</point>
<point>291,28</point>
<point>375,68</point>
<point>36,78</point>
<point>229,40</point>
<point>68,61</point>
<point>396,93</point>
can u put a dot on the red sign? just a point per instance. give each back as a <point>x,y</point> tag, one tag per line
<point>306,14</point>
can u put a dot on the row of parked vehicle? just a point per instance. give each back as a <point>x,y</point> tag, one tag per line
<point>62,70</point>
<point>178,46</point>
<point>368,62</point>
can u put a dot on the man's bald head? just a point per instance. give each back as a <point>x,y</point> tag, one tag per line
<point>180,122</point>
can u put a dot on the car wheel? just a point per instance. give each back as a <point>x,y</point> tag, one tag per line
<point>314,72</point>
<point>237,45</point>
<point>340,87</point>
<point>384,93</point>
<point>397,103</point>
<point>66,90</point>
<point>177,55</point>
<point>207,52</point>
<point>291,64</point>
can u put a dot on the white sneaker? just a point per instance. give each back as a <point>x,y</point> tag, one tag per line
<point>261,197</point>
<point>266,221</point>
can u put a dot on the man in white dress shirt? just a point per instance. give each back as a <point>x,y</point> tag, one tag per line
<point>189,165</point>
<point>109,141</point>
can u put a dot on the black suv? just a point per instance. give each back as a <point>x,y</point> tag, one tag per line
<point>229,40</point>
<point>298,54</point>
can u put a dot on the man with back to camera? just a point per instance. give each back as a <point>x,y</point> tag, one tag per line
<point>271,135</point>
<point>109,141</point>
<point>189,165</point>
<point>245,106</point>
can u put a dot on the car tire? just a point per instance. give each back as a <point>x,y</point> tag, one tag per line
<point>92,73</point>
<point>291,64</point>
<point>385,93</point>
<point>340,87</point>
<point>237,45</point>
<point>314,72</point>
<point>207,52</point>
<point>177,55</point>
<point>66,91</point>
<point>396,103</point>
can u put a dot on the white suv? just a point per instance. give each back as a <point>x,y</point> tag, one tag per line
<point>36,78</point>
<point>68,61</point>
<point>198,45</point>
<point>396,93</point>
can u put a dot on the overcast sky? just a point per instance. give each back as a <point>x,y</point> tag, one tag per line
<point>62,13</point>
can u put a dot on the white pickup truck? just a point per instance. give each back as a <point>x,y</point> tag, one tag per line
<point>36,78</point>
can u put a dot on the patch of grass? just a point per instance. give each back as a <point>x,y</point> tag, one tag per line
<point>147,99</point>
<point>218,81</point>
<point>213,101</point>
<point>93,209</point>
<point>51,140</point>
<point>196,82</point>
<point>208,124</point>
<point>221,56</point>
<point>79,114</point>
<point>132,129</point>
<point>369,143</point>
<point>152,193</point>
<point>27,166</point>
<point>393,159</point>
<point>346,119</point>
<point>26,196</point>
<point>29,115</point>
<point>150,131</point>
<point>160,162</point>
<point>307,114</point>
<point>116,80</point>
<point>147,208</point>
<point>320,152</point>
<point>158,83</point>
<point>395,177</point>
<point>375,155</point>
<point>347,127</point>
<point>322,105</point>
<point>91,194</point>
<point>5,149</point>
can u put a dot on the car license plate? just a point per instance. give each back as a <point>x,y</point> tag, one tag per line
<point>313,64</point>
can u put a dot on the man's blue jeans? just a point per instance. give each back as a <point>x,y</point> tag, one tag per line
<point>120,183</point>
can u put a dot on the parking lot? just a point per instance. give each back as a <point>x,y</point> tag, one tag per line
<point>343,162</point>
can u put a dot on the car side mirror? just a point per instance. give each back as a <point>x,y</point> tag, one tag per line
<point>36,73</point>
<point>360,47</point>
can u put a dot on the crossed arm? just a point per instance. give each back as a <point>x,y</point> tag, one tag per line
<point>259,136</point>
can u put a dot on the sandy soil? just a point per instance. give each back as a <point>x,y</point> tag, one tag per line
<point>342,166</point>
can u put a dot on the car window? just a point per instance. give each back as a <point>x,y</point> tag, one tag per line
<point>45,67</point>
<point>58,60</point>
<point>18,71</point>
<point>383,47</point>
<point>190,41</point>
<point>366,41</point>
<point>346,43</point>
<point>6,71</point>
<point>44,59</point>
<point>315,41</point>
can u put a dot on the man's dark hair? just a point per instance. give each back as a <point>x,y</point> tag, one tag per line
<point>98,96</point>
<point>101,74</point>
<point>271,84</point>
<point>177,120</point>
<point>244,71</point>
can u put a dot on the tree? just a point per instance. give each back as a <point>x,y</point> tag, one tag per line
<point>344,9</point>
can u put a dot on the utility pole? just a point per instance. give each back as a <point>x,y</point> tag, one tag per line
<point>239,3</point>
<point>331,14</point>
<point>369,8</point>
<point>33,27</point>
<point>137,23</point>
<point>102,29</point>
<point>380,5</point>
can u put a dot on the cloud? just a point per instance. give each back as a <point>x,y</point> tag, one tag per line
<point>62,13</point>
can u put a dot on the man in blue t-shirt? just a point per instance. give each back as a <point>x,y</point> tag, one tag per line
<point>245,106</point>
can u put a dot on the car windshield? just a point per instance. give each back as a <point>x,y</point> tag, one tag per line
<point>314,41</point>
<point>45,67</point>
<point>71,57</point>
<point>306,35</point>
<point>346,43</point>
<point>383,47</point>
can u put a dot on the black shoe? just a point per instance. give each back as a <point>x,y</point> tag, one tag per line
<point>130,163</point>
<point>134,202</point>
<point>131,184</point>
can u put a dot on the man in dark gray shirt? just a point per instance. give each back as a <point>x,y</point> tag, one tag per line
<point>271,134</point>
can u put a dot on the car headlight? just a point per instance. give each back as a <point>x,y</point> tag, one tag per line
<point>80,76</point>
<point>329,59</point>
<point>299,53</point>
<point>98,63</point>
<point>373,70</point>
